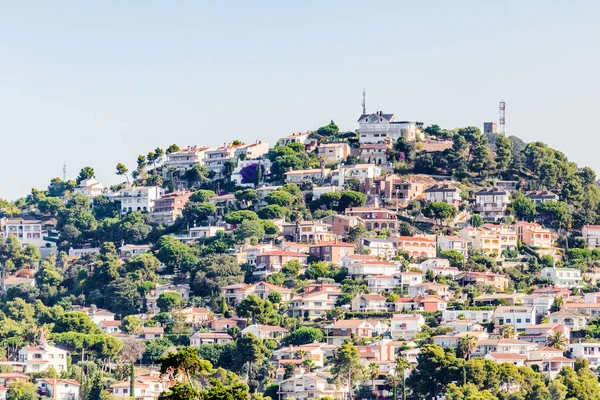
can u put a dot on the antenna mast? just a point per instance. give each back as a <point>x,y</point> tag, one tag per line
<point>64,171</point>
<point>502,117</point>
<point>364,102</point>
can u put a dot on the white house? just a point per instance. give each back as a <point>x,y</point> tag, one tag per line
<point>492,202</point>
<point>446,243</point>
<point>378,127</point>
<point>299,137</point>
<point>139,198</point>
<point>588,351</point>
<point>563,277</point>
<point>369,303</point>
<point>59,389</point>
<point>361,172</point>
<point>518,316</point>
<point>186,158</point>
<point>406,326</point>
<point>591,234</point>
<point>89,187</point>
<point>40,358</point>
<point>479,316</point>
<point>380,247</point>
<point>375,267</point>
<point>333,152</point>
<point>27,231</point>
<point>146,387</point>
<point>426,288</point>
<point>443,192</point>
<point>307,175</point>
<point>265,331</point>
<point>572,319</point>
<point>200,338</point>
<point>313,385</point>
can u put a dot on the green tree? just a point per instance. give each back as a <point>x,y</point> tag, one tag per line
<point>503,152</point>
<point>132,325</point>
<point>249,229</point>
<point>558,340</point>
<point>440,211</point>
<point>169,300</point>
<point>291,269</point>
<point>280,198</point>
<point>96,391</point>
<point>185,361</point>
<point>250,349</point>
<point>272,211</point>
<point>468,392</point>
<point>202,195</point>
<point>22,390</point>
<point>236,217</point>
<point>328,130</point>
<point>455,257</point>
<point>194,212</point>
<point>85,173</point>
<point>214,272</point>
<point>121,170</point>
<point>346,366</point>
<point>350,198</point>
<point>467,345</point>
<point>75,321</point>
<point>303,335</point>
<point>476,220</point>
<point>523,207</point>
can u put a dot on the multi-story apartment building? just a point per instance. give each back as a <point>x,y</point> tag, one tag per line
<point>490,239</point>
<point>534,235</point>
<point>498,281</point>
<point>300,137</point>
<point>361,172</point>
<point>375,218</point>
<point>307,175</point>
<point>313,304</point>
<point>394,189</point>
<point>591,234</point>
<point>40,358</point>
<point>366,268</point>
<point>273,261</point>
<point>27,231</point>
<point>443,192</point>
<point>236,293</point>
<point>169,207</point>
<point>563,277</point>
<point>375,153</point>
<point>332,251</point>
<point>340,330</point>
<point>333,152</point>
<point>518,316</point>
<point>491,203</point>
<point>185,158</point>
<point>215,160</point>
<point>378,127</point>
<point>446,243</point>
<point>416,247</point>
<point>406,326</point>
<point>139,198</point>
<point>587,351</point>
<point>314,385</point>
<point>340,223</point>
<point>541,196</point>
<point>307,231</point>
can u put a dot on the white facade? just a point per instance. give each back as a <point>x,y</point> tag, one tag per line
<point>591,234</point>
<point>446,243</point>
<point>26,231</point>
<point>406,326</point>
<point>377,127</point>
<point>310,386</point>
<point>89,187</point>
<point>444,193</point>
<point>139,198</point>
<point>186,158</point>
<point>479,316</point>
<point>59,389</point>
<point>588,351</point>
<point>40,358</point>
<point>563,277</point>
<point>518,316</point>
<point>491,203</point>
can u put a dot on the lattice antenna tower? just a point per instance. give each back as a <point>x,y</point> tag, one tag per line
<point>502,120</point>
<point>64,170</point>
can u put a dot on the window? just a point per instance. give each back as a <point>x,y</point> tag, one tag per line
<point>528,320</point>
<point>518,320</point>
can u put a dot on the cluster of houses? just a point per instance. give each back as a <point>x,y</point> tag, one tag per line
<point>389,321</point>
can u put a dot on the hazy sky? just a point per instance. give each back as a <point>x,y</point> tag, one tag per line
<point>100,82</point>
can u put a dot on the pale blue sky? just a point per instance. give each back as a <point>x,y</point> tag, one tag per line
<point>99,82</point>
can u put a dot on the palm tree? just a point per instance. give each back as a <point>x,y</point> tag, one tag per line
<point>509,332</point>
<point>558,340</point>
<point>401,366</point>
<point>467,345</point>
<point>373,373</point>
<point>308,364</point>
